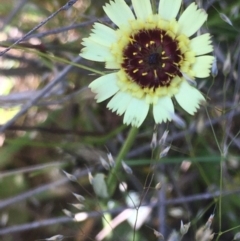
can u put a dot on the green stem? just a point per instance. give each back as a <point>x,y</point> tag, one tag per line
<point>112,178</point>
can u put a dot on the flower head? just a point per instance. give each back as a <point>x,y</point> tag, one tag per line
<point>152,58</point>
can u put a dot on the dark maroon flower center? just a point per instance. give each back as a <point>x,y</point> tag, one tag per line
<point>152,58</point>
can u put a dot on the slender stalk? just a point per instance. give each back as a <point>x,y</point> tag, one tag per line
<point>112,178</point>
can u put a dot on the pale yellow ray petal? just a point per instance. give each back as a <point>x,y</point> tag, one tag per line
<point>105,87</point>
<point>189,98</point>
<point>201,44</point>
<point>136,112</point>
<point>95,51</point>
<point>163,110</point>
<point>142,8</point>
<point>168,9</point>
<point>103,35</point>
<point>119,12</point>
<point>202,66</point>
<point>119,102</point>
<point>191,20</point>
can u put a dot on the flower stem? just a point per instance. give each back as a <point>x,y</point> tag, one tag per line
<point>112,178</point>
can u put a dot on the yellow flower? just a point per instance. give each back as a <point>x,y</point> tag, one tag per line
<point>152,58</point>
